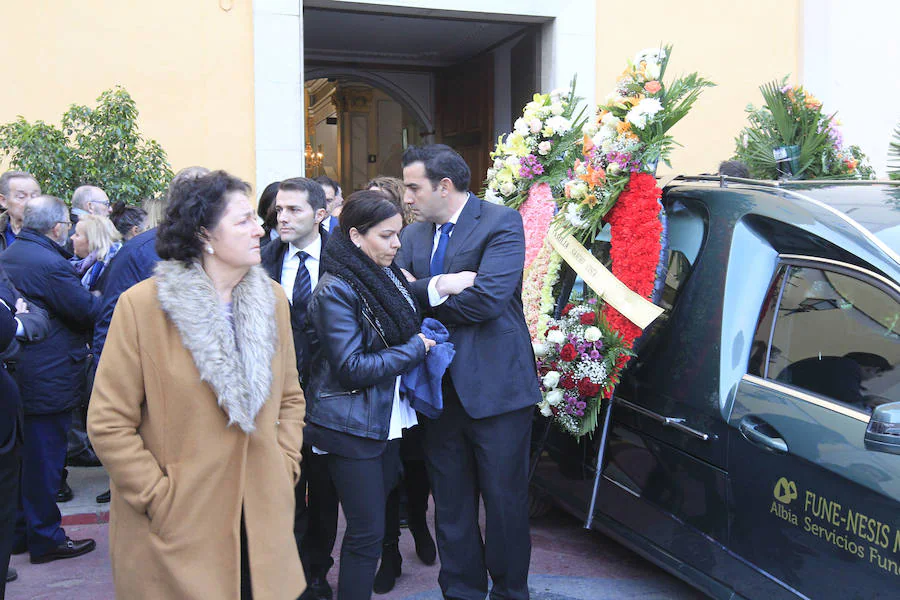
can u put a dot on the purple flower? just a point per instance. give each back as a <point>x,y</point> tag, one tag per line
<point>594,355</point>
<point>530,167</point>
<point>580,405</point>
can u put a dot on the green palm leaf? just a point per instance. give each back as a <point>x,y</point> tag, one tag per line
<point>894,155</point>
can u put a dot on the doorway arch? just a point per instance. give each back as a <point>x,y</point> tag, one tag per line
<point>419,104</point>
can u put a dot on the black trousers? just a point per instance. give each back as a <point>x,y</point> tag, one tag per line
<point>414,482</point>
<point>466,458</point>
<point>246,587</point>
<point>9,499</point>
<point>362,485</point>
<point>316,515</point>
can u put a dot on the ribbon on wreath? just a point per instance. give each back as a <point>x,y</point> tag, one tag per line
<point>633,306</point>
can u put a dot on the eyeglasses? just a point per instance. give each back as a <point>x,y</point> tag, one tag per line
<point>67,223</point>
<point>103,202</point>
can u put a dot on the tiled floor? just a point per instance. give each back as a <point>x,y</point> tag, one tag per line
<point>567,562</point>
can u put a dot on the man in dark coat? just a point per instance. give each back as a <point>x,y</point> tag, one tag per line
<point>49,372</point>
<point>293,260</point>
<point>480,444</point>
<point>16,323</point>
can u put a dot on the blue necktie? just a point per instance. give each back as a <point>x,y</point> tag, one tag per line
<point>302,289</point>
<point>437,261</point>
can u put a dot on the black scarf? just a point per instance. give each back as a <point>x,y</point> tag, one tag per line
<point>393,314</point>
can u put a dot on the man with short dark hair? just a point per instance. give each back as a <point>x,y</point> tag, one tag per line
<point>48,373</point>
<point>16,188</point>
<point>333,201</point>
<point>293,260</point>
<point>479,445</point>
<point>734,168</point>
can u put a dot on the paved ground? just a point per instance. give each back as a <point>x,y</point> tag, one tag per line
<point>567,562</point>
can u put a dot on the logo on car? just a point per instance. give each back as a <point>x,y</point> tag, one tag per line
<point>785,491</point>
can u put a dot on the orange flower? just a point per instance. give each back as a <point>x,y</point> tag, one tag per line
<point>588,144</point>
<point>593,177</point>
<point>851,164</point>
<point>634,100</point>
<point>651,87</point>
<point>812,102</point>
<point>590,200</point>
<point>623,126</point>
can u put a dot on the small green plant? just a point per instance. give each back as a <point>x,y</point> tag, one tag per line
<point>893,167</point>
<point>791,116</point>
<point>99,146</point>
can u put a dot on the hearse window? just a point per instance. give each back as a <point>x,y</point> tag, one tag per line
<point>686,232</point>
<point>835,336</point>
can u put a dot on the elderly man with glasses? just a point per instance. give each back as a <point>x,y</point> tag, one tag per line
<point>49,373</point>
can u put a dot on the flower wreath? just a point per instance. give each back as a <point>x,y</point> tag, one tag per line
<point>609,164</point>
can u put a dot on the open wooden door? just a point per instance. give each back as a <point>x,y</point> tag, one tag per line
<point>465,113</point>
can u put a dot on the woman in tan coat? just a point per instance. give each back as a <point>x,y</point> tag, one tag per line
<point>197,412</point>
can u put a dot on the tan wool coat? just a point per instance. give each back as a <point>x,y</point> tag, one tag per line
<point>197,422</point>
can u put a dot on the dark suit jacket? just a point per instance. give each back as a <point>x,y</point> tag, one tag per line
<point>273,262</point>
<point>493,370</point>
<point>131,265</point>
<point>10,403</point>
<point>49,372</point>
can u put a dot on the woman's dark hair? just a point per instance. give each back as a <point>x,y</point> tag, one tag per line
<point>265,208</point>
<point>365,209</point>
<point>195,204</point>
<point>125,217</point>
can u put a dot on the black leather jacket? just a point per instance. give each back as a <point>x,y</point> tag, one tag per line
<point>353,372</point>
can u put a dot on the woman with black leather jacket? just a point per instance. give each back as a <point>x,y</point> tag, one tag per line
<point>363,326</point>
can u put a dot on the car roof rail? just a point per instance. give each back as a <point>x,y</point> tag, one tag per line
<point>724,180</point>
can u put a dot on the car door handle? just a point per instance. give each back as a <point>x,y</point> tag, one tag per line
<point>762,434</point>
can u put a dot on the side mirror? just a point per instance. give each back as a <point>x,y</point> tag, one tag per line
<point>883,432</point>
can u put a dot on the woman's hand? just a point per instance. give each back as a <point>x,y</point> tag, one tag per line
<point>429,343</point>
<point>409,276</point>
<point>21,306</point>
<point>451,284</point>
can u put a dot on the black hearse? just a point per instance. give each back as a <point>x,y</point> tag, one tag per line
<point>752,445</point>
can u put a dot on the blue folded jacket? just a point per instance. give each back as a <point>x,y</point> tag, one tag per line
<point>422,383</point>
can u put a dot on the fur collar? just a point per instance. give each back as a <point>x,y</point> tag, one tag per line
<point>236,363</point>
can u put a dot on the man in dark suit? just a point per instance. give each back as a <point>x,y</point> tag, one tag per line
<point>16,323</point>
<point>480,444</point>
<point>293,260</point>
<point>49,373</point>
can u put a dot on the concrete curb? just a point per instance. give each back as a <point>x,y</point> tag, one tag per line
<point>97,518</point>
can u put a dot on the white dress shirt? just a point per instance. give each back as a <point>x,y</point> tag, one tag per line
<point>292,263</point>
<point>434,298</point>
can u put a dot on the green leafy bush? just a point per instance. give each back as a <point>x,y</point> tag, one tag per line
<point>99,146</point>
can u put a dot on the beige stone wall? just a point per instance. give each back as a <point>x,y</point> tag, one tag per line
<point>188,65</point>
<point>738,45</point>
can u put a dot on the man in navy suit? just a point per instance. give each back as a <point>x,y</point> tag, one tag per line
<point>49,373</point>
<point>294,260</point>
<point>480,444</point>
